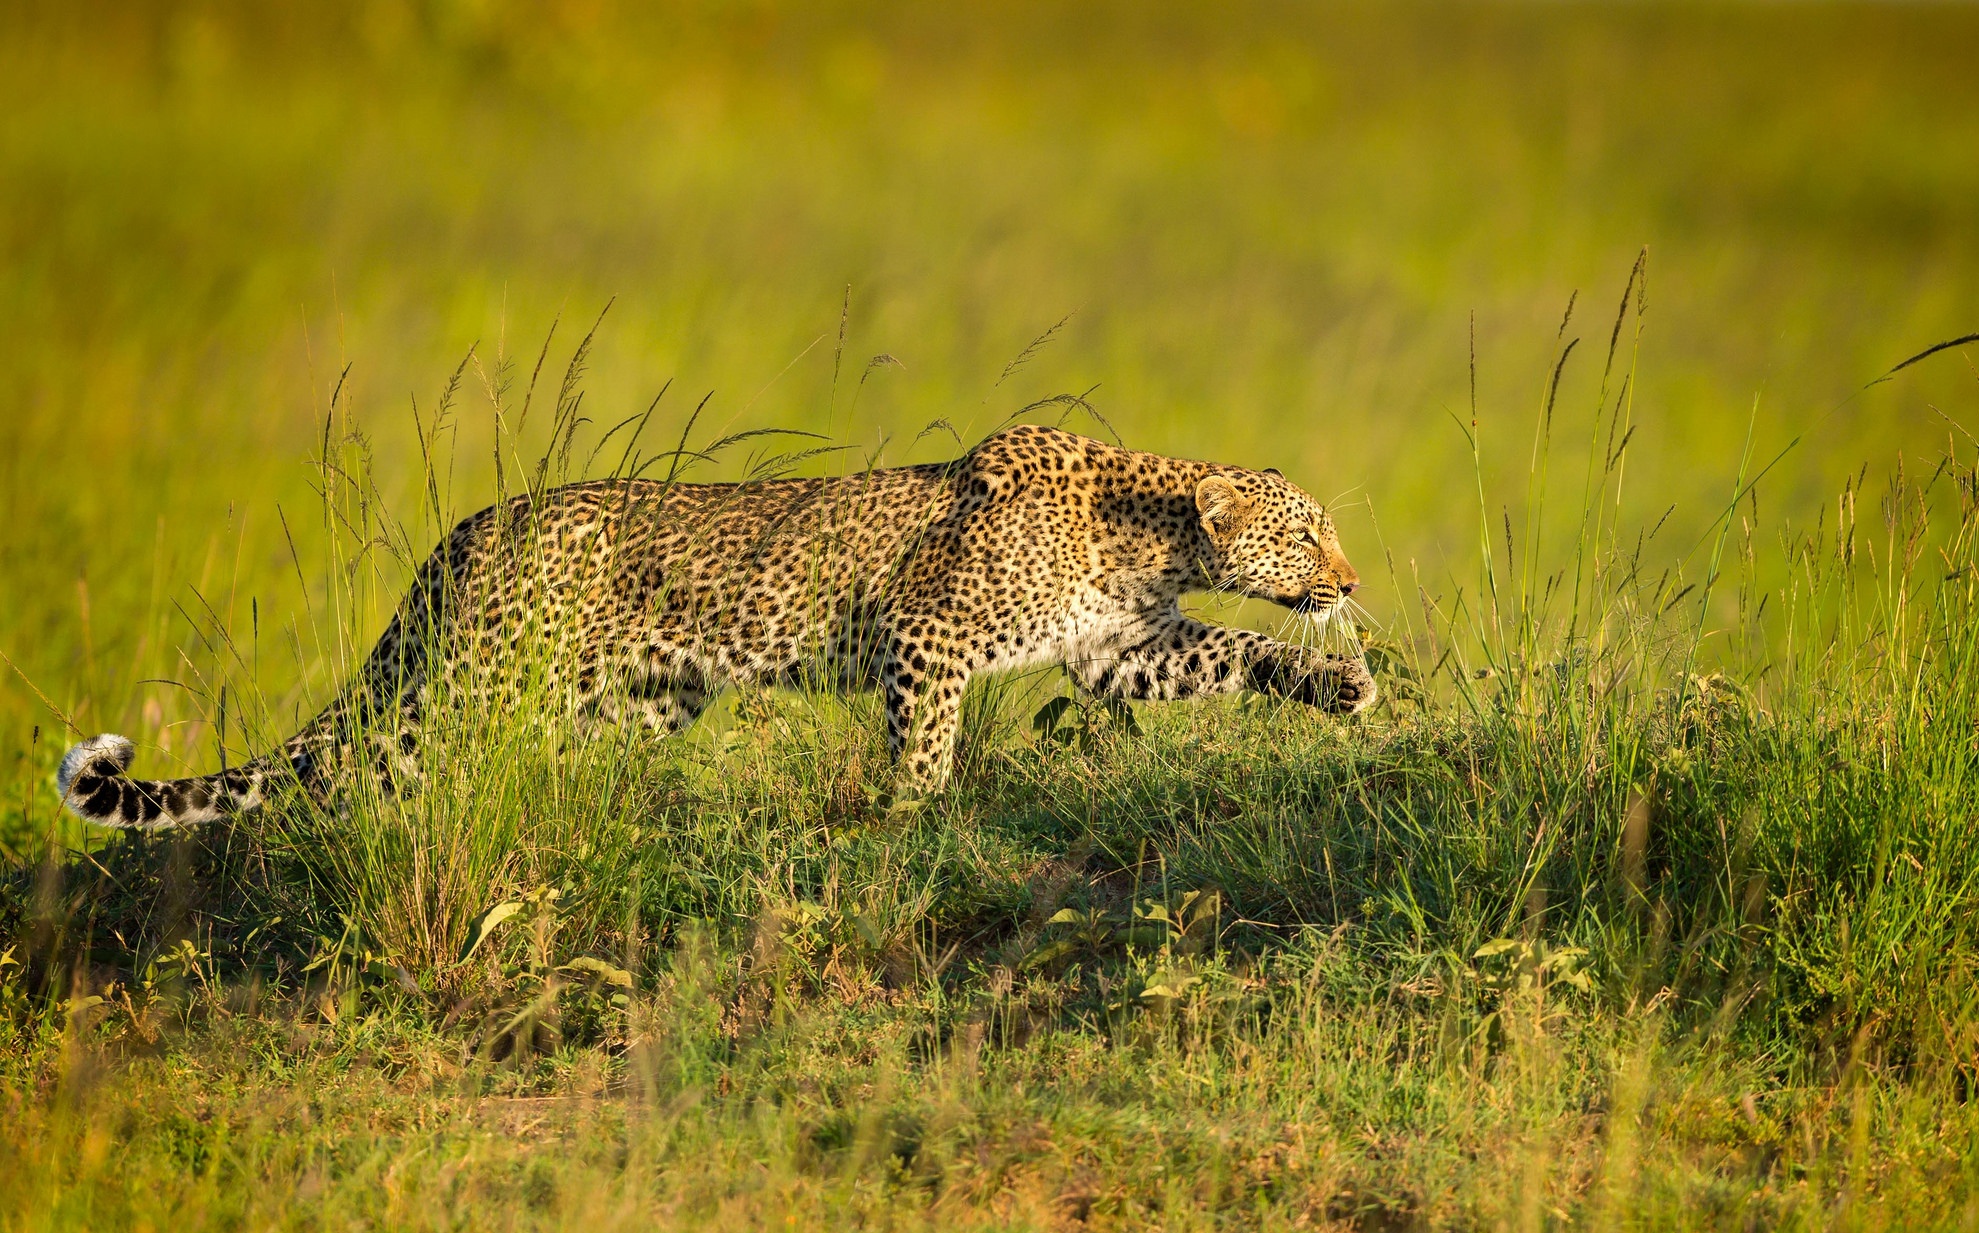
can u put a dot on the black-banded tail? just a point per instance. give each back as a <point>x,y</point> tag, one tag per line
<point>96,789</point>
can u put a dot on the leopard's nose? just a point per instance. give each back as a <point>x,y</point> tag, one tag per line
<point>1350,586</point>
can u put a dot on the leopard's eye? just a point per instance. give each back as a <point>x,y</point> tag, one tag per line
<point>1308,537</point>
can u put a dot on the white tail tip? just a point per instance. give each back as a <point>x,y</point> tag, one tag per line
<point>116,749</point>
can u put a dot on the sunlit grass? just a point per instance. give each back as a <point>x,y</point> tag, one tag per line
<point>1681,946</point>
<point>1643,899</point>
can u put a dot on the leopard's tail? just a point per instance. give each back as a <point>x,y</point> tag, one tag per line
<point>96,789</point>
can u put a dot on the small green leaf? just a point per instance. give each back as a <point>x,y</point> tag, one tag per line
<point>1170,984</point>
<point>1048,715</point>
<point>1497,946</point>
<point>1122,714</point>
<point>485,924</point>
<point>1201,904</point>
<point>868,929</point>
<point>1067,916</point>
<point>599,968</point>
<point>1565,956</point>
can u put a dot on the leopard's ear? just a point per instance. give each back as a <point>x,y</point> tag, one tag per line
<point>1274,471</point>
<point>1224,510</point>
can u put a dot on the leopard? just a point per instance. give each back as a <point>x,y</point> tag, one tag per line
<point>640,598</point>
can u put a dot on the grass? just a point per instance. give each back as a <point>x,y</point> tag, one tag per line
<point>1567,930</point>
<point>1645,899</point>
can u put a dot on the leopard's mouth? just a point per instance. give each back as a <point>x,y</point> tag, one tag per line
<point>1313,604</point>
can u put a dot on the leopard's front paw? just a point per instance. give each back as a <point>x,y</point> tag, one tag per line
<point>1336,684</point>
<point>1350,687</point>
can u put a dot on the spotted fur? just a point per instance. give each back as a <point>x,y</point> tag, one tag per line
<point>640,599</point>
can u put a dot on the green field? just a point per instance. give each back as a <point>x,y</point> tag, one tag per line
<point>1646,899</point>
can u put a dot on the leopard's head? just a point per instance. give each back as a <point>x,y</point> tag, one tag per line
<point>1272,541</point>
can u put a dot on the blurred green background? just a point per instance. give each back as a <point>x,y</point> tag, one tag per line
<point>1271,227</point>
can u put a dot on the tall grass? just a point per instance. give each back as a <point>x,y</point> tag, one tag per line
<point>1656,879</point>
